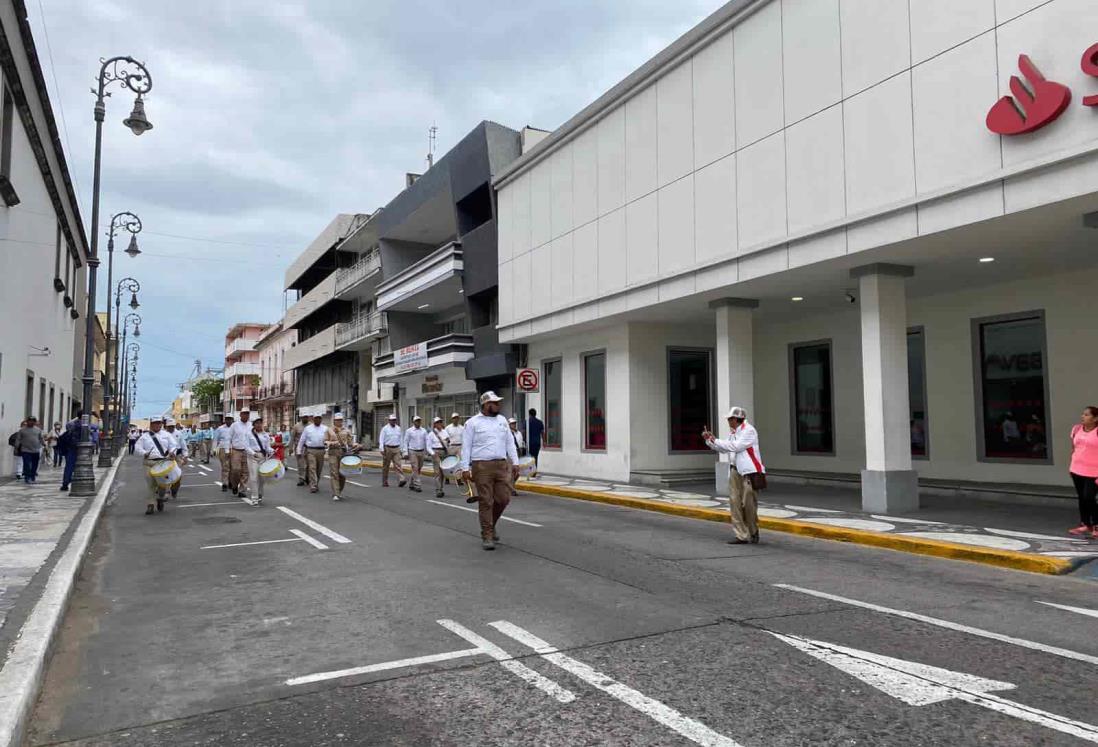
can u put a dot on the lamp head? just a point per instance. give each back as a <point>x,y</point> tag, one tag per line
<point>133,301</point>
<point>132,249</point>
<point>137,121</point>
<point>136,333</point>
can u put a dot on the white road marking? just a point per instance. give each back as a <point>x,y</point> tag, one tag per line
<point>1077,610</point>
<point>219,503</point>
<point>921,684</point>
<point>246,544</point>
<point>693,730</point>
<point>330,534</point>
<point>199,484</point>
<point>384,666</point>
<point>1054,650</point>
<point>205,469</point>
<point>311,540</point>
<point>506,661</point>
<point>360,484</point>
<point>466,508</point>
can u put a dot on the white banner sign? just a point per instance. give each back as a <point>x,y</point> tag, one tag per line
<point>410,358</point>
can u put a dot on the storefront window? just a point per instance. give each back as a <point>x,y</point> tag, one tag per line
<point>690,398</point>
<point>594,400</point>
<point>916,392</point>
<point>551,382</point>
<point>1012,388</point>
<point>813,426</point>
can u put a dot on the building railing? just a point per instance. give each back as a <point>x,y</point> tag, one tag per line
<point>363,325</point>
<point>245,391</point>
<point>359,271</point>
<point>281,389</point>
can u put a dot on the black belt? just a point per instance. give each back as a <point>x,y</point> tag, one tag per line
<point>315,448</point>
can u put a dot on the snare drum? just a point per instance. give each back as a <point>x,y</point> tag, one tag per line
<point>350,465</point>
<point>272,469</point>
<point>166,473</point>
<point>451,466</point>
<point>526,466</point>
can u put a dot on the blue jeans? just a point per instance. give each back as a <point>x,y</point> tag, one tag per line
<point>70,466</point>
<point>30,466</point>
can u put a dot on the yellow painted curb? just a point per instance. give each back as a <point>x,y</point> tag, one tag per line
<point>1018,561</point>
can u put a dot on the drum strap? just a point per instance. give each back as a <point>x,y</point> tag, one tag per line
<point>157,444</point>
<point>258,443</point>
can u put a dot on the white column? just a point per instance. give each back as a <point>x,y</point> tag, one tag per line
<point>735,369</point>
<point>888,481</point>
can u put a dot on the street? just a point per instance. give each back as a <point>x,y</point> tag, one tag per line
<point>380,620</point>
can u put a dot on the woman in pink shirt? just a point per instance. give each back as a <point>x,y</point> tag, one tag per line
<point>1084,471</point>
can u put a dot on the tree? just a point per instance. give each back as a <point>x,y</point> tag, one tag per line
<point>208,391</point>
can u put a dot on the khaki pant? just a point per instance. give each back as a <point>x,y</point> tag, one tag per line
<point>314,461</point>
<point>415,459</point>
<point>238,470</point>
<point>493,482</point>
<point>302,469</point>
<point>339,482</point>
<point>155,491</point>
<point>744,506</point>
<point>223,458</point>
<point>436,462</point>
<point>254,476</point>
<point>391,455</point>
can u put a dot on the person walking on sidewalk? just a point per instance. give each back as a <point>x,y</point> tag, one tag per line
<point>29,446</point>
<point>133,436</point>
<point>535,429</point>
<point>66,444</point>
<point>50,453</point>
<point>415,450</point>
<point>13,442</point>
<point>520,446</point>
<point>153,447</point>
<point>436,447</point>
<point>295,442</point>
<point>340,443</point>
<point>240,434</point>
<point>490,460</point>
<point>746,474</point>
<point>1084,471</point>
<point>224,446</point>
<point>391,441</point>
<point>314,440</point>
<point>258,448</point>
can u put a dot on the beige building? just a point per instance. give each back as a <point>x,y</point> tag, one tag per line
<point>241,367</point>
<point>275,398</point>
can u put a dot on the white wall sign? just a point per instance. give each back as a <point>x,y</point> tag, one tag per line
<point>410,358</point>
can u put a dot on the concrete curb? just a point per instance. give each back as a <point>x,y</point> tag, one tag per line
<point>21,675</point>
<point>1018,561</point>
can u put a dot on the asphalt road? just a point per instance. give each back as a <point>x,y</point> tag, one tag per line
<point>590,625</point>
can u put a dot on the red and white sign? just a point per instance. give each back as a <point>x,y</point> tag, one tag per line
<point>527,380</point>
<point>1037,101</point>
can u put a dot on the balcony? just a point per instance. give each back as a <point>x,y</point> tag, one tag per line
<point>316,347</point>
<point>448,350</point>
<point>238,347</point>
<point>360,279</point>
<point>281,390</point>
<point>241,369</point>
<point>245,391</point>
<point>430,285</point>
<point>358,333</point>
<point>322,293</point>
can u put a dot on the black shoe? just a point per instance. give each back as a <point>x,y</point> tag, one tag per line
<point>301,483</point>
<point>488,544</point>
<point>439,494</point>
<point>738,542</point>
<point>402,483</point>
<point>472,499</point>
<point>224,488</point>
<point>235,492</point>
<point>159,504</point>
<point>64,487</point>
<point>754,539</point>
<point>149,510</point>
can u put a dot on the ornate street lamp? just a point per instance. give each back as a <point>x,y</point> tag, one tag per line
<point>136,319</point>
<point>132,75</point>
<point>129,222</point>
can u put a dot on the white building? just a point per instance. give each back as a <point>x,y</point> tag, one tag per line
<point>800,207</point>
<point>43,249</point>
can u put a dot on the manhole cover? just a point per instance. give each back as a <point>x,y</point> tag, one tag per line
<point>217,520</point>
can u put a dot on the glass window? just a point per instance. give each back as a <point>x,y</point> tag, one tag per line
<point>916,392</point>
<point>813,423</point>
<point>1012,388</point>
<point>690,398</point>
<point>552,403</point>
<point>594,400</point>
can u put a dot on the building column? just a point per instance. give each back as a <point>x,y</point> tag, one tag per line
<point>735,369</point>
<point>889,484</point>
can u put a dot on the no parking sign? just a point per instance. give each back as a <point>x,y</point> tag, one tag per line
<point>527,380</point>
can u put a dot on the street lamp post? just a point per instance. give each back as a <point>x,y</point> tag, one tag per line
<point>130,222</point>
<point>127,389</point>
<point>133,75</point>
<point>119,377</point>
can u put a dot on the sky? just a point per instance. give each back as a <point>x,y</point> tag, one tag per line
<point>272,117</point>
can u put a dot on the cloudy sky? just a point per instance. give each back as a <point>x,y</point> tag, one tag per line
<point>271,117</point>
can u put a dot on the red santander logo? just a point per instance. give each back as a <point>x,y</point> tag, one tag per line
<point>1037,101</point>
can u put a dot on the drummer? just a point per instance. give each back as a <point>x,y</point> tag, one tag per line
<point>154,446</point>
<point>179,452</point>
<point>454,433</point>
<point>257,444</point>
<point>340,443</point>
<point>437,444</point>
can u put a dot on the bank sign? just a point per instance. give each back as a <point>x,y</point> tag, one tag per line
<point>1036,101</point>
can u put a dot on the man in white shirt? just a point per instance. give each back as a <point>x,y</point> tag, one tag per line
<point>258,448</point>
<point>490,460</point>
<point>240,434</point>
<point>455,432</point>
<point>436,447</point>
<point>223,446</point>
<point>179,451</point>
<point>295,440</point>
<point>746,470</point>
<point>391,441</point>
<point>154,446</point>
<point>313,444</point>
<point>414,450</point>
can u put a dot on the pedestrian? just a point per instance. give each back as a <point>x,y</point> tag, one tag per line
<point>341,443</point>
<point>302,466</point>
<point>258,447</point>
<point>1084,471</point>
<point>29,446</point>
<point>13,442</point>
<point>391,441</point>
<point>455,432</point>
<point>520,446</point>
<point>153,447</point>
<point>490,460</point>
<point>178,451</point>
<point>239,438</point>
<point>133,436</point>
<point>95,438</point>
<point>436,445</point>
<point>279,448</point>
<point>746,475</point>
<point>224,447</point>
<point>52,438</point>
<point>414,450</point>
<point>314,441</point>
<point>535,429</point>
<point>66,444</point>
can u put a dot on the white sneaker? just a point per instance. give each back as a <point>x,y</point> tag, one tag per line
<point>336,498</point>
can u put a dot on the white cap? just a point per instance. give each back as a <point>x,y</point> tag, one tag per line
<point>738,412</point>
<point>416,417</point>
<point>511,420</point>
<point>392,416</point>
<point>245,409</point>
<point>169,421</point>
<point>155,419</point>
<point>455,415</point>
<point>490,397</point>
<point>337,416</point>
<point>437,419</point>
